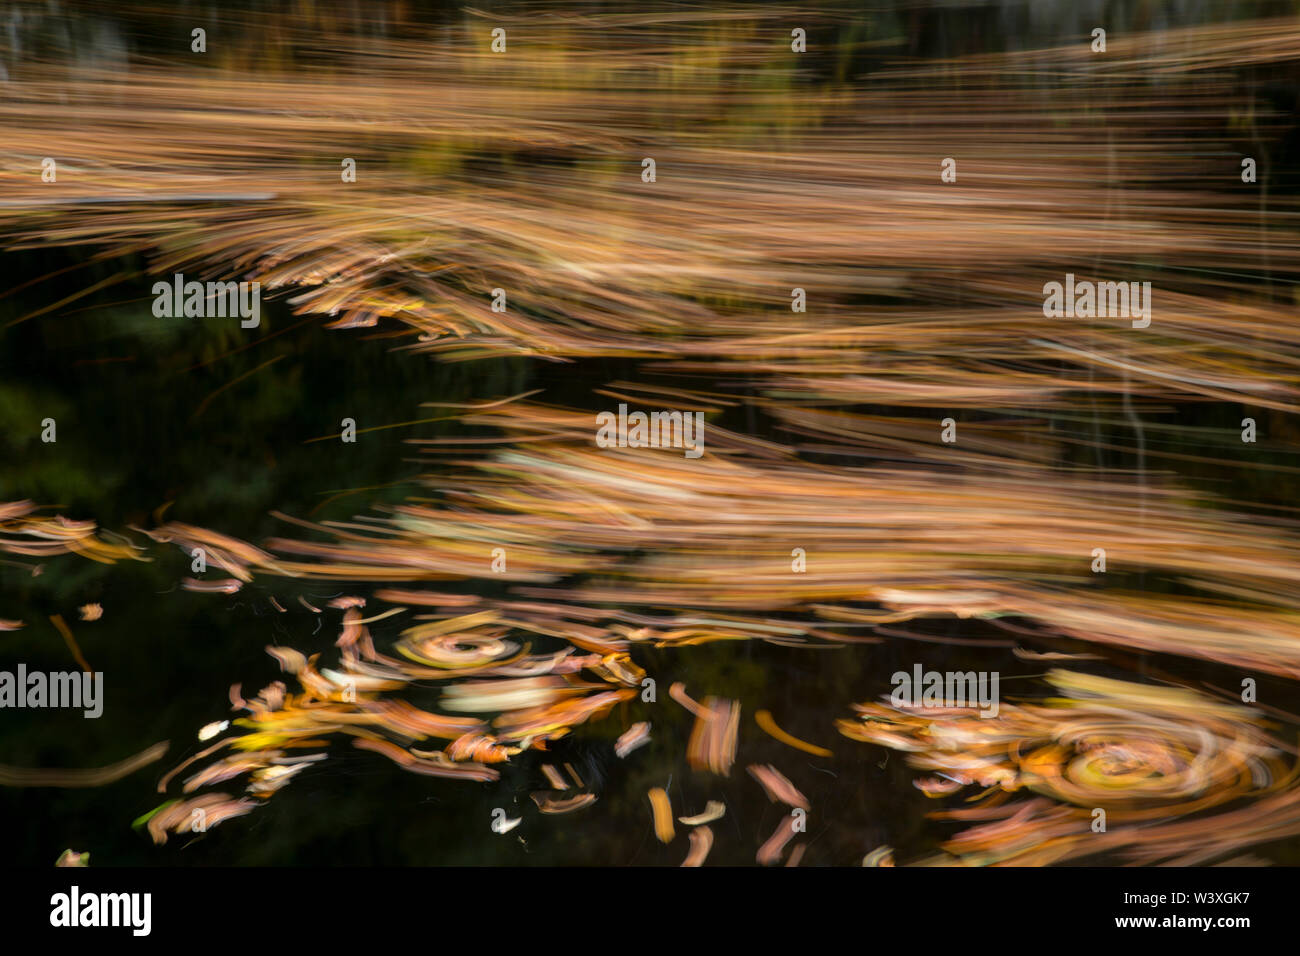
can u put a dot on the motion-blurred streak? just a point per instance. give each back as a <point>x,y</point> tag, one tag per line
<point>919,292</point>
<point>703,547</point>
<point>363,700</point>
<point>1162,763</point>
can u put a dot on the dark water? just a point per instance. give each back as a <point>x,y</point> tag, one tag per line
<point>130,440</point>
